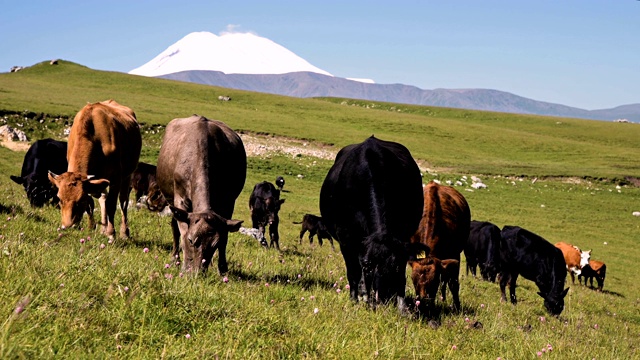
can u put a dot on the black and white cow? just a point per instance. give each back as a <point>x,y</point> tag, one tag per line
<point>43,156</point>
<point>280,182</point>
<point>264,204</point>
<point>525,253</point>
<point>371,202</point>
<point>483,249</point>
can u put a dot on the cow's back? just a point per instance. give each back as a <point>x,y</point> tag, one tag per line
<point>104,141</point>
<point>203,161</point>
<point>371,181</point>
<point>446,220</point>
<point>44,155</point>
<point>525,252</point>
<point>570,253</point>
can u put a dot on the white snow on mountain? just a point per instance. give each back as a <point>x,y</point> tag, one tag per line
<point>366,81</point>
<point>230,53</point>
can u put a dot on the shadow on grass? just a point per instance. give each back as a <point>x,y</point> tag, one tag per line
<point>13,209</point>
<point>287,280</point>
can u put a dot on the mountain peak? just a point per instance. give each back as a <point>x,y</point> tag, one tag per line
<point>230,53</point>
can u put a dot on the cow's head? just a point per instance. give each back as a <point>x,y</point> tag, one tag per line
<point>202,233</point>
<point>490,271</point>
<point>155,200</point>
<point>554,303</point>
<point>384,265</point>
<point>265,210</point>
<point>585,256</point>
<point>74,190</point>
<point>428,272</point>
<point>39,189</point>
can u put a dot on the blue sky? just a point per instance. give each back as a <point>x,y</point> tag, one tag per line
<point>578,53</point>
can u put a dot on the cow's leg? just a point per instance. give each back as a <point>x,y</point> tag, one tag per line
<point>125,190</point>
<point>573,277</point>
<point>89,211</point>
<point>354,273</point>
<point>504,279</point>
<point>454,286</point>
<point>175,230</point>
<point>304,230</point>
<point>312,233</point>
<point>273,234</point>
<point>331,241</point>
<point>319,239</point>
<point>102,200</point>
<point>111,204</point>
<point>223,267</point>
<point>512,287</point>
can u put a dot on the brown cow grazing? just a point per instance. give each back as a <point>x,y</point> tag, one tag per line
<point>103,151</point>
<point>575,259</point>
<point>595,269</point>
<point>202,168</point>
<point>444,228</point>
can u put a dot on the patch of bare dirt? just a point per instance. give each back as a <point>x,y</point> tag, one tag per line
<point>261,145</point>
<point>15,145</point>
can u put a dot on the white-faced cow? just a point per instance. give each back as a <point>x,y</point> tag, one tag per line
<point>525,253</point>
<point>444,229</point>
<point>371,203</point>
<point>575,259</point>
<point>483,249</point>
<point>43,156</point>
<point>103,151</point>
<point>264,204</point>
<point>202,168</point>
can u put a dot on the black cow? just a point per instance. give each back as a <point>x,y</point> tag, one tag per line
<point>202,167</point>
<point>264,204</point>
<point>280,182</point>
<point>525,253</point>
<point>143,182</point>
<point>43,156</point>
<point>483,249</point>
<point>371,202</point>
<point>314,225</point>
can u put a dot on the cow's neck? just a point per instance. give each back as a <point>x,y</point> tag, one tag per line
<point>79,156</point>
<point>200,185</point>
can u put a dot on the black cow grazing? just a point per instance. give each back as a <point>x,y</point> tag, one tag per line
<point>371,202</point>
<point>483,249</point>
<point>525,253</point>
<point>314,225</point>
<point>144,183</point>
<point>202,168</point>
<point>264,204</point>
<point>43,156</point>
<point>280,182</point>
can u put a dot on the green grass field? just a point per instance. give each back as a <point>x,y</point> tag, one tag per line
<point>61,298</point>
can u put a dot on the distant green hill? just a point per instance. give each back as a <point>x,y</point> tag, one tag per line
<point>446,139</point>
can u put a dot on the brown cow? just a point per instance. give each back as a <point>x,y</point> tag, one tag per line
<point>575,259</point>
<point>444,228</point>
<point>103,150</point>
<point>595,269</point>
<point>202,167</point>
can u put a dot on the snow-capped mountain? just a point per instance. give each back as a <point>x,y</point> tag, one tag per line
<point>230,53</point>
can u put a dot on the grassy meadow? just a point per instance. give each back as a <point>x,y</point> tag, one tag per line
<point>72,294</point>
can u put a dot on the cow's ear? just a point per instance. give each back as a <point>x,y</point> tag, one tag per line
<point>234,225</point>
<point>417,251</point>
<point>179,214</point>
<point>53,178</point>
<point>95,186</point>
<point>564,293</point>
<point>17,179</point>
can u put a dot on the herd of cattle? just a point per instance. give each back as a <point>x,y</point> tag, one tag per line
<point>372,201</point>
